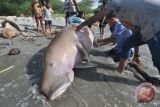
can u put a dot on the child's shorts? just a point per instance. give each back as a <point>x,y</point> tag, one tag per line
<point>38,19</point>
<point>48,22</point>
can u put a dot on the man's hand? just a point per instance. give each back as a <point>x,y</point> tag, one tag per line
<point>79,27</point>
<point>97,43</point>
<point>100,39</point>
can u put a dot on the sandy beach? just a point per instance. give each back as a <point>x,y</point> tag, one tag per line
<point>95,87</point>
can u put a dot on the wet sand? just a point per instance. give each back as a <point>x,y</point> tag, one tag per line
<point>95,87</point>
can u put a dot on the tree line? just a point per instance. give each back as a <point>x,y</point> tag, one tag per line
<point>17,7</point>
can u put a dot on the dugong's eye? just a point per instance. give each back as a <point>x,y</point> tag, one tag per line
<point>51,64</point>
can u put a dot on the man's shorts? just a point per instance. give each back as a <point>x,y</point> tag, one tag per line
<point>48,22</point>
<point>116,55</point>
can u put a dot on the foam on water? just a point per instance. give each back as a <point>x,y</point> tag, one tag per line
<point>35,94</point>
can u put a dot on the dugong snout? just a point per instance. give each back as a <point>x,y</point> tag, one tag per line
<point>55,83</point>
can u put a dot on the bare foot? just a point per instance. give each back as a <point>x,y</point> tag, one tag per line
<point>120,70</point>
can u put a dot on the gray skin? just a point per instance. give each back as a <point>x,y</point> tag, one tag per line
<point>65,51</point>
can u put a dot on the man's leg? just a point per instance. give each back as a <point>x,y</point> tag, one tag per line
<point>154,47</point>
<point>130,42</point>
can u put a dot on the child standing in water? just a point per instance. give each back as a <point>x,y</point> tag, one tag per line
<point>37,13</point>
<point>48,16</point>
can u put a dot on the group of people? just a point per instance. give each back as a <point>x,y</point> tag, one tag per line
<point>137,22</point>
<point>132,24</point>
<point>42,12</point>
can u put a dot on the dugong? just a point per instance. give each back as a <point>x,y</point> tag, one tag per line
<point>66,50</point>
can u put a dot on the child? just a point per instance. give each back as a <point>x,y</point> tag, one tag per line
<point>48,16</point>
<point>37,14</point>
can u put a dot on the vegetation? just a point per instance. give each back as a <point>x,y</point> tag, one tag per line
<point>17,7</point>
<point>101,2</point>
<point>86,5</point>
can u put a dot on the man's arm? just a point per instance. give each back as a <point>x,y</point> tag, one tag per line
<point>99,16</point>
<point>136,57</point>
<point>106,41</point>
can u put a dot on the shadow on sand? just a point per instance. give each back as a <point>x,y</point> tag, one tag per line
<point>34,67</point>
<point>91,74</point>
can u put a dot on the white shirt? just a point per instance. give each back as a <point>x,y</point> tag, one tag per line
<point>48,13</point>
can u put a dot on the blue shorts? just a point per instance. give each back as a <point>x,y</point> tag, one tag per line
<point>116,55</point>
<point>135,40</point>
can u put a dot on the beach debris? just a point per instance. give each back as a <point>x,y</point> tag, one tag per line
<point>11,23</point>
<point>9,31</point>
<point>145,92</point>
<point>6,69</point>
<point>14,51</point>
<point>30,39</point>
<point>24,34</point>
<point>7,42</point>
<point>39,44</point>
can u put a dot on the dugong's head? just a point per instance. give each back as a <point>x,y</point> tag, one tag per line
<point>56,79</point>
